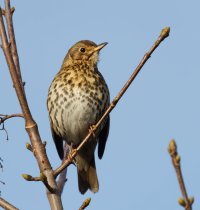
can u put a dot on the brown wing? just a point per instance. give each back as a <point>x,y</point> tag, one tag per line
<point>103,138</point>
<point>58,142</point>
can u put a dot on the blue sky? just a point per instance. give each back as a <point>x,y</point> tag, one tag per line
<point>163,102</point>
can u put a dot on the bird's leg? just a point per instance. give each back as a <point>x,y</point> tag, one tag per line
<point>70,152</point>
<point>71,147</point>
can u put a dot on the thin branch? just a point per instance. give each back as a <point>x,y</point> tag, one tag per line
<point>39,150</point>
<point>28,177</point>
<point>185,201</point>
<point>13,72</point>
<point>11,34</point>
<point>62,177</point>
<point>1,167</point>
<point>85,204</point>
<point>3,129</point>
<point>164,34</point>
<point>62,180</point>
<point>4,204</point>
<point>4,117</point>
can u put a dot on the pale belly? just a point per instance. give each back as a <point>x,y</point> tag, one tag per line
<point>74,116</point>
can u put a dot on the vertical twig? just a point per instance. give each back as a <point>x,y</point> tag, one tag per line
<point>185,201</point>
<point>62,177</point>
<point>11,34</point>
<point>16,81</point>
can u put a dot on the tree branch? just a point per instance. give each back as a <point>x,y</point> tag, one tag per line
<point>31,127</point>
<point>185,201</point>
<point>4,204</point>
<point>11,34</point>
<point>4,117</point>
<point>62,177</point>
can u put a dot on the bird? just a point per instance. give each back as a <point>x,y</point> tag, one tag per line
<point>77,98</point>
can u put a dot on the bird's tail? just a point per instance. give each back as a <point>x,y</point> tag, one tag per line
<point>87,175</point>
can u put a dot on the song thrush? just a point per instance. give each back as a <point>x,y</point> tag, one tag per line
<point>77,98</point>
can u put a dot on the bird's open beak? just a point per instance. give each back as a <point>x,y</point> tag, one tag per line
<point>100,46</point>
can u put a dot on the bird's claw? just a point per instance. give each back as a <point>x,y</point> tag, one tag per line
<point>71,156</point>
<point>92,129</point>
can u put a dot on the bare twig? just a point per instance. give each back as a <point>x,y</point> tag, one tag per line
<point>31,127</point>
<point>11,34</point>
<point>4,129</point>
<point>185,201</point>
<point>1,165</point>
<point>85,204</point>
<point>16,81</point>
<point>4,117</point>
<point>62,177</point>
<point>4,204</point>
<point>164,33</point>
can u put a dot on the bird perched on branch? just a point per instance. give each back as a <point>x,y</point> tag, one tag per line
<point>77,98</point>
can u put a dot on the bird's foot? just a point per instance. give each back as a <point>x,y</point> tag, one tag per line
<point>72,155</point>
<point>92,129</point>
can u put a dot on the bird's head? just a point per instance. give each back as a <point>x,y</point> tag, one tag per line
<point>84,50</point>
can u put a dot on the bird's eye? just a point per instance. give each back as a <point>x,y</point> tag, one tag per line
<point>82,49</point>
